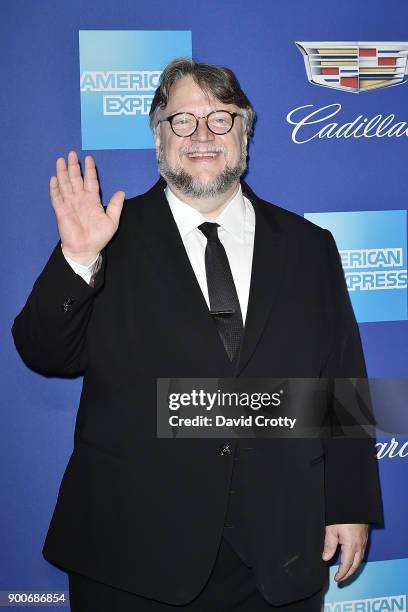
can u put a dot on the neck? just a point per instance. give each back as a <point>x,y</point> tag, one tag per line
<point>208,207</point>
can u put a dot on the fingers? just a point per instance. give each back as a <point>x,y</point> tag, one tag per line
<point>63,177</point>
<point>353,539</point>
<point>55,194</point>
<point>114,208</point>
<point>330,544</point>
<point>74,172</point>
<point>69,176</point>
<point>90,177</point>
<point>358,557</point>
<point>346,562</point>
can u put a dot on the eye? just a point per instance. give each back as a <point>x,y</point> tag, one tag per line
<point>220,120</point>
<point>182,119</point>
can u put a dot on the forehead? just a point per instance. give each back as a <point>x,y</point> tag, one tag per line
<point>185,94</point>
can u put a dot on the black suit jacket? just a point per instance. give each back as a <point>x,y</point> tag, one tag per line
<point>146,514</point>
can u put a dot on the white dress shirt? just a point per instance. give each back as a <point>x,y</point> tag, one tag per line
<point>236,233</point>
<point>84,272</point>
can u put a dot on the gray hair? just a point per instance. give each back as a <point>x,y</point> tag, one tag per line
<point>218,81</point>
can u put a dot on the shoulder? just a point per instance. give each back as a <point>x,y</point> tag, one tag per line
<point>155,193</point>
<point>144,207</point>
<point>285,220</point>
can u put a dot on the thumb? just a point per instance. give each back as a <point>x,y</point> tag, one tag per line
<point>114,208</point>
<point>330,544</point>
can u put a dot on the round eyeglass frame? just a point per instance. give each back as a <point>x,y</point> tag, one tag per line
<point>233,114</point>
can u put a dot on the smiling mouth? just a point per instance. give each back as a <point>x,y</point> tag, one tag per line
<point>207,155</point>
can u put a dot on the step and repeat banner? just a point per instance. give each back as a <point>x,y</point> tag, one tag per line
<point>329,84</point>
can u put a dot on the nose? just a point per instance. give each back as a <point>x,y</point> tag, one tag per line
<point>202,133</point>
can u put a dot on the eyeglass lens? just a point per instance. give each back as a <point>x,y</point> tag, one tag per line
<point>219,122</point>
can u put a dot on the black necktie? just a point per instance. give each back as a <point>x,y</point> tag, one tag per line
<point>224,304</point>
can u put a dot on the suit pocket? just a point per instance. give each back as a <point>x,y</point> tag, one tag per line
<point>318,459</point>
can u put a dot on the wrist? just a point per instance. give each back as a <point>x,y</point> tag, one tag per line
<point>83,259</point>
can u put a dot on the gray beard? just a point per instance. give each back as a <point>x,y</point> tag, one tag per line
<point>186,184</point>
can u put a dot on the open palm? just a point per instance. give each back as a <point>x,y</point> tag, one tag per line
<point>84,226</point>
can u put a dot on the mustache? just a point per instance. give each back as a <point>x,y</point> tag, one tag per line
<point>208,149</point>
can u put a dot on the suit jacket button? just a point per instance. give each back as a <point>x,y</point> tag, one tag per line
<point>225,449</point>
<point>67,303</point>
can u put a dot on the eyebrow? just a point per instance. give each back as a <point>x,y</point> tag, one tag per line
<point>176,112</point>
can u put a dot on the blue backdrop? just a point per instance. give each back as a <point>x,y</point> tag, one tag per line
<point>41,120</point>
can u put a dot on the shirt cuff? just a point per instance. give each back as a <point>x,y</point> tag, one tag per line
<point>85,272</point>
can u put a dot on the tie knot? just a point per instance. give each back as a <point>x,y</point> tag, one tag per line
<point>209,230</point>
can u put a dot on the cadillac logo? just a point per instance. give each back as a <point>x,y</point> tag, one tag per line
<point>355,66</point>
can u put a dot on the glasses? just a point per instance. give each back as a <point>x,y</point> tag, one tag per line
<point>218,122</point>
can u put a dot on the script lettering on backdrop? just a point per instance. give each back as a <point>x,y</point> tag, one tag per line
<point>310,123</point>
<point>391,449</point>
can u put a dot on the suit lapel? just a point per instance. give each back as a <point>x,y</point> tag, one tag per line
<point>167,249</point>
<point>268,266</point>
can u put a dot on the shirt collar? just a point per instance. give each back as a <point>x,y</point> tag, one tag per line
<point>187,218</point>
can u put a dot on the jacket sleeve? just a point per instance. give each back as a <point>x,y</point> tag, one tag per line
<point>50,331</point>
<point>352,487</point>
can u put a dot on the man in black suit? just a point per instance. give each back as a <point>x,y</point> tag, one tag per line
<point>196,278</point>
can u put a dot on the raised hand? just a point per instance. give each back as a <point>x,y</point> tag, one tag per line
<point>84,226</point>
